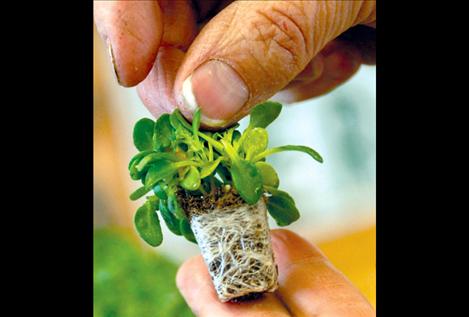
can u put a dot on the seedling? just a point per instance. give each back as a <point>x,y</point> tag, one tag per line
<point>214,188</point>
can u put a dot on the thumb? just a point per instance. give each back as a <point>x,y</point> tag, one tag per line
<point>253,49</point>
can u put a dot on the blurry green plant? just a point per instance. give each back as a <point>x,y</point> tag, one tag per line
<point>130,282</point>
<point>176,156</point>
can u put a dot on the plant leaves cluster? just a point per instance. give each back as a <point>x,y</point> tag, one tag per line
<point>176,156</point>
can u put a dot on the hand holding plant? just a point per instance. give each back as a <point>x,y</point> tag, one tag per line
<point>214,189</point>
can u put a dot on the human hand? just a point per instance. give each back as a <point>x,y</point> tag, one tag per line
<point>246,52</point>
<point>308,286</point>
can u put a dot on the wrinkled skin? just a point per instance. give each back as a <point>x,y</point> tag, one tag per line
<point>284,48</point>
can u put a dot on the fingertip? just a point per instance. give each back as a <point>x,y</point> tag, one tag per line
<point>132,31</point>
<point>187,271</point>
<point>218,90</point>
<point>341,62</point>
<point>156,90</point>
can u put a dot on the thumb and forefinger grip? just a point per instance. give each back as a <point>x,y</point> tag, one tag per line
<point>252,49</point>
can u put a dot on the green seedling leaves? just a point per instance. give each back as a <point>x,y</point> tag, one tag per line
<point>263,114</point>
<point>255,142</point>
<point>210,167</point>
<point>175,157</point>
<point>151,158</point>
<point>138,157</point>
<point>143,134</point>
<point>171,222</point>
<point>158,171</point>
<point>153,201</point>
<point>315,155</point>
<point>247,180</point>
<point>191,180</point>
<point>174,206</point>
<point>196,122</point>
<point>182,129</point>
<point>282,208</point>
<point>140,192</point>
<point>148,225</point>
<point>178,121</point>
<point>160,191</point>
<point>162,136</point>
<point>236,137</point>
<point>186,230</point>
<point>224,173</point>
<point>268,173</point>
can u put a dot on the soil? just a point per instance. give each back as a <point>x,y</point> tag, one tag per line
<point>247,298</point>
<point>220,198</point>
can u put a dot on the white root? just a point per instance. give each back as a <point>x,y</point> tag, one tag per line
<point>236,247</point>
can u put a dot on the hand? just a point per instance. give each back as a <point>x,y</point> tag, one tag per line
<point>308,286</point>
<point>244,54</point>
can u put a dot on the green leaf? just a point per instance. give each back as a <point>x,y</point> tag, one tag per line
<point>177,120</point>
<point>224,173</point>
<point>154,157</point>
<point>148,225</point>
<point>268,173</point>
<point>315,155</point>
<point>160,191</point>
<point>263,114</point>
<point>171,222</point>
<point>186,230</point>
<point>140,192</point>
<point>134,161</point>
<point>175,207</point>
<point>209,168</point>
<point>255,142</point>
<point>247,180</point>
<point>281,207</point>
<point>153,201</point>
<point>158,171</point>
<point>163,132</point>
<point>191,180</point>
<point>143,134</point>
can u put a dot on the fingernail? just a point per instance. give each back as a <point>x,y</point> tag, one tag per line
<point>113,61</point>
<point>217,89</point>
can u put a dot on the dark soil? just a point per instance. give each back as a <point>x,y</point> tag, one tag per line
<point>220,198</point>
<point>247,298</point>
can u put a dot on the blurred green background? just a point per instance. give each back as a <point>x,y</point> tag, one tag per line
<point>130,281</point>
<point>336,199</point>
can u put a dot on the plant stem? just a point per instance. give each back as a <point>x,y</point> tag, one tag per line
<point>217,145</point>
<point>212,185</point>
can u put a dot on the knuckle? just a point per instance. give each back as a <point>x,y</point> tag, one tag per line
<point>283,32</point>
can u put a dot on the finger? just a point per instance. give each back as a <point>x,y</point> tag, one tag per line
<point>179,23</point>
<point>132,30</point>
<point>156,91</point>
<point>308,283</point>
<point>193,280</point>
<point>252,49</point>
<point>339,62</point>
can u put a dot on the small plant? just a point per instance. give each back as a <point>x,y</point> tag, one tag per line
<point>214,188</point>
